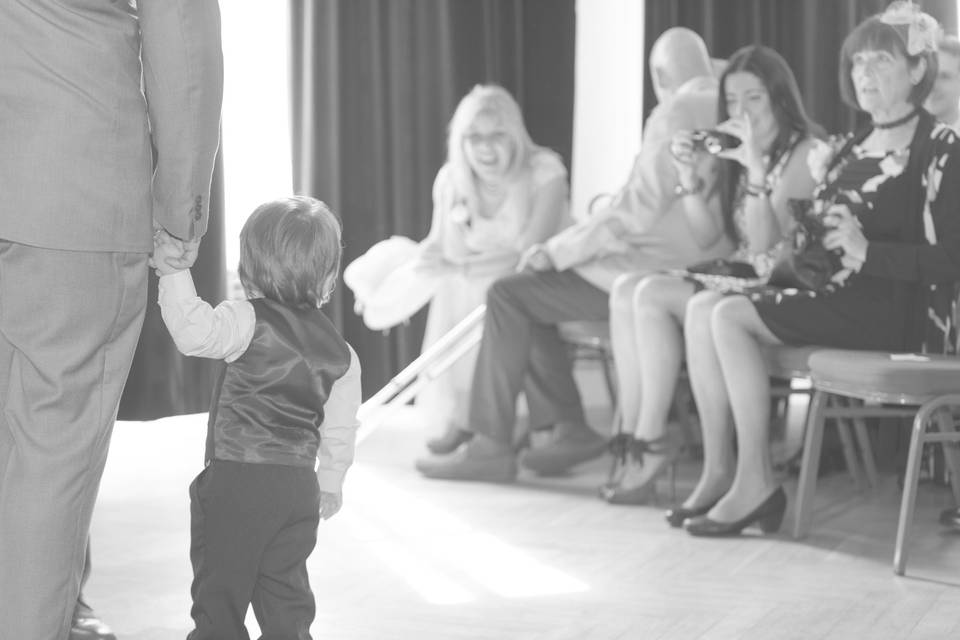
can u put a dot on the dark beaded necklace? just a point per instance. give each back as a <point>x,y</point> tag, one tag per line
<point>899,121</point>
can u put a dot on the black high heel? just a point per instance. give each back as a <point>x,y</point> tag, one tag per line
<point>628,450</point>
<point>677,515</point>
<point>768,516</point>
<point>619,448</point>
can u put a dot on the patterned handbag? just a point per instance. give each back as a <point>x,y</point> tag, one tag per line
<point>804,263</point>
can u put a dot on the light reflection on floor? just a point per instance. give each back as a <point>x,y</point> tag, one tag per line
<point>441,557</point>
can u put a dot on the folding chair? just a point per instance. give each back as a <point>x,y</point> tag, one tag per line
<point>926,387</point>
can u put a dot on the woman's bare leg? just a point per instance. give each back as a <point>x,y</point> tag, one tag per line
<point>713,405</point>
<point>740,335</point>
<point>623,344</point>
<point>659,304</point>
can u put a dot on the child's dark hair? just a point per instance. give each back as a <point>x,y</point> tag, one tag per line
<point>290,252</point>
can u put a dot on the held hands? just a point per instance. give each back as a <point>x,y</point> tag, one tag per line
<point>846,235</point>
<point>172,254</point>
<point>330,504</point>
<point>536,258</point>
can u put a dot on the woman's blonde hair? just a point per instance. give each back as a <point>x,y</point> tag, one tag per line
<point>495,101</point>
<point>290,252</point>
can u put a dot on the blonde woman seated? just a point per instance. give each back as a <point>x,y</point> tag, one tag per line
<point>758,103</point>
<point>498,194</point>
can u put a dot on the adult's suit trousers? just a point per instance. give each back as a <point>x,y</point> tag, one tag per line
<point>521,348</point>
<point>69,322</point>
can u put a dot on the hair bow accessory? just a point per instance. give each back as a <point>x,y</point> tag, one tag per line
<point>923,31</point>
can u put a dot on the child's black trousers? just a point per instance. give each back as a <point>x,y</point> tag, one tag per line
<point>252,528</point>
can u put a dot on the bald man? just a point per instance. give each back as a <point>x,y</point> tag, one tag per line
<point>570,276</point>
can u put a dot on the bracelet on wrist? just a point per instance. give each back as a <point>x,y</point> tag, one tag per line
<point>757,190</point>
<point>681,190</point>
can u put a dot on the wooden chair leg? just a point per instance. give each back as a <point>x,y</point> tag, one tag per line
<point>910,482</point>
<point>866,451</point>
<point>809,465</point>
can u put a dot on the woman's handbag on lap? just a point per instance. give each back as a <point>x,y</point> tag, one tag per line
<point>724,267</point>
<point>804,262</point>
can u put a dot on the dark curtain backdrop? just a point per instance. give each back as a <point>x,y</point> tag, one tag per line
<point>162,382</point>
<point>375,83</point>
<point>807,33</point>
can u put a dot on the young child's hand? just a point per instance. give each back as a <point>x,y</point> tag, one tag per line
<point>168,252</point>
<point>330,503</point>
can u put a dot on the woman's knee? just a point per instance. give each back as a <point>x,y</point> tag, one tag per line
<point>621,294</point>
<point>659,296</point>
<point>506,288</point>
<point>736,315</point>
<point>699,314</point>
<point>727,313</point>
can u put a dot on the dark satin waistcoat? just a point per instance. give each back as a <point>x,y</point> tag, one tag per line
<point>268,407</point>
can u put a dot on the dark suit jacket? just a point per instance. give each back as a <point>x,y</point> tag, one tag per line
<point>86,88</point>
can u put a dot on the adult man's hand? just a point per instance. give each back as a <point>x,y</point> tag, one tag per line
<point>191,248</point>
<point>536,258</point>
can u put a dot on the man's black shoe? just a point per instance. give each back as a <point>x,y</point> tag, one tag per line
<point>951,518</point>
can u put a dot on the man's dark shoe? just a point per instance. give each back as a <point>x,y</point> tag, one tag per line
<point>88,626</point>
<point>951,518</point>
<point>449,441</point>
<point>570,446</point>
<point>472,462</point>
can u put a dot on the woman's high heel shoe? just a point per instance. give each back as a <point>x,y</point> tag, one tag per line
<point>449,442</point>
<point>628,452</point>
<point>678,515</point>
<point>768,516</point>
<point>638,494</point>
<point>619,448</point>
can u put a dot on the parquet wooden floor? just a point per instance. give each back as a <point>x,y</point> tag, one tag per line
<point>539,560</point>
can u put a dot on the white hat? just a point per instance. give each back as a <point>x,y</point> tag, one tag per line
<point>386,284</point>
<point>404,292</point>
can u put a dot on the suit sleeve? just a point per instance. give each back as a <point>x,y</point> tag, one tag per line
<point>183,81</point>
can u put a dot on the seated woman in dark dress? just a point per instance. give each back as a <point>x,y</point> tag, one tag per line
<point>901,237</point>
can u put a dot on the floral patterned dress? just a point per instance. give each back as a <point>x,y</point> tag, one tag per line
<point>908,204</point>
<point>762,261</point>
<point>702,276</point>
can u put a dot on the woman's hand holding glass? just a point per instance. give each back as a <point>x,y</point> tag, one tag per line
<point>684,158</point>
<point>749,154</point>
